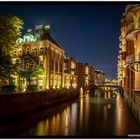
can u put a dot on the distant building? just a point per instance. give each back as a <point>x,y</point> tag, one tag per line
<point>70,73</point>
<point>78,74</point>
<point>59,71</point>
<point>111,82</point>
<point>91,76</point>
<point>85,75</point>
<point>99,77</point>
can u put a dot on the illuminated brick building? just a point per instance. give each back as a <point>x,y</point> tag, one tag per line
<point>51,56</point>
<point>99,77</point>
<point>70,73</point>
<point>78,74</point>
<point>86,75</point>
<point>91,76</point>
<point>59,71</point>
<point>129,55</point>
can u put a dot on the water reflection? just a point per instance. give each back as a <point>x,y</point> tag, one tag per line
<point>74,114</point>
<point>87,108</point>
<point>81,112</point>
<point>121,119</point>
<point>94,114</point>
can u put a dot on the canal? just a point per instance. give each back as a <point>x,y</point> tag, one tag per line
<point>94,114</point>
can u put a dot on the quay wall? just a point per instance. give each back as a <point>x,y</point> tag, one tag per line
<point>17,105</point>
<point>132,99</point>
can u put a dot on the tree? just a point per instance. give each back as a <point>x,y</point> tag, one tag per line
<point>28,66</point>
<point>10,27</point>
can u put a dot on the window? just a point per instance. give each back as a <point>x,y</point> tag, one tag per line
<point>41,51</point>
<point>27,50</point>
<point>35,51</point>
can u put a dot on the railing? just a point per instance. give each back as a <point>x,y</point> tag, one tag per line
<point>130,59</point>
<point>127,8</point>
<point>120,38</point>
<point>137,25</point>
<point>130,28</point>
<point>120,45</point>
<point>133,58</point>
<point>137,57</point>
<point>120,51</point>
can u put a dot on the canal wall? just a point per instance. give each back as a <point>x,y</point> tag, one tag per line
<point>13,106</point>
<point>132,99</point>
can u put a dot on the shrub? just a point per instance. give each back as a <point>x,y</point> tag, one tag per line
<point>32,88</point>
<point>8,88</point>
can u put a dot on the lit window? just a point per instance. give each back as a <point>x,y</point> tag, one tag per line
<point>27,50</point>
<point>41,51</point>
<point>35,51</point>
<point>72,72</point>
<point>72,65</point>
<point>40,82</point>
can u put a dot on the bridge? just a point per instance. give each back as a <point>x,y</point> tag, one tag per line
<point>108,87</point>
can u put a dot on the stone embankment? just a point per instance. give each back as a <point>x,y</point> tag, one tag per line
<point>18,105</point>
<point>132,99</point>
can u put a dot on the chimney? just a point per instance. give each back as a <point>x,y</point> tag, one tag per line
<point>38,27</point>
<point>29,30</point>
<point>48,29</point>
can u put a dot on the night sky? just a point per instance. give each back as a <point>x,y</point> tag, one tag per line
<point>88,32</point>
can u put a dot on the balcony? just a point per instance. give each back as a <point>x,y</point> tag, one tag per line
<point>133,58</point>
<point>137,58</point>
<point>137,26</point>
<point>127,8</point>
<point>130,28</point>
<point>120,38</point>
<point>120,45</point>
<point>130,59</point>
<point>120,51</point>
<point>123,41</point>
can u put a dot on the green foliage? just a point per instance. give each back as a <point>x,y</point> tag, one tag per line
<point>32,88</point>
<point>28,66</point>
<point>8,88</point>
<point>6,67</point>
<point>10,27</point>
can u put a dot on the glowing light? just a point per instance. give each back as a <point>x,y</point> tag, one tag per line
<point>109,106</point>
<point>81,112</point>
<point>109,95</point>
<point>105,95</point>
<point>40,82</point>
<point>67,87</point>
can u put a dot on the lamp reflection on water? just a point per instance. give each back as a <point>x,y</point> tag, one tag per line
<point>87,109</point>
<point>109,106</point>
<point>81,112</point>
<point>81,92</point>
<point>73,117</point>
<point>109,95</point>
<point>105,95</point>
<point>121,120</point>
